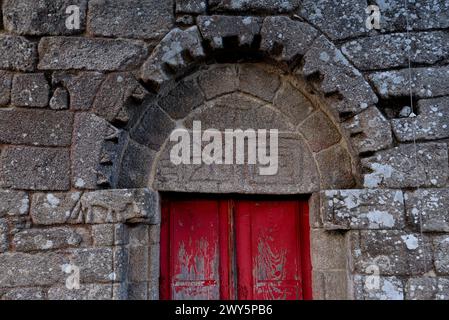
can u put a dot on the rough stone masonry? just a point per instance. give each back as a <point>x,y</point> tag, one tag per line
<point>85,116</point>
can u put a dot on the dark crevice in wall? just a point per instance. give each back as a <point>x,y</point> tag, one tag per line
<point>394,108</point>
<point>367,154</point>
<point>315,78</point>
<point>232,52</point>
<point>443,62</point>
<point>345,115</point>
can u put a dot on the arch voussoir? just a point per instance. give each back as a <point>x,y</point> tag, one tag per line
<point>304,53</point>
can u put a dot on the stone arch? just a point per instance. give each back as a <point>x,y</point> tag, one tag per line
<point>305,55</point>
<point>295,52</point>
<point>244,96</point>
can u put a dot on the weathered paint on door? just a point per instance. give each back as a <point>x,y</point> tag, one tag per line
<point>235,249</point>
<point>193,235</point>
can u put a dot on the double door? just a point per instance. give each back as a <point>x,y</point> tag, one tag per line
<point>231,248</point>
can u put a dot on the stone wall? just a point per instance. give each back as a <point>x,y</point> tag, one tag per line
<point>85,117</point>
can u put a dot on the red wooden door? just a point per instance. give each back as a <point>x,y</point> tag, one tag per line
<point>270,251</point>
<point>194,240</point>
<point>205,242</point>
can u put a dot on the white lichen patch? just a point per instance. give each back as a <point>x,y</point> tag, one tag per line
<point>48,245</point>
<point>75,196</point>
<point>53,201</point>
<point>324,56</point>
<point>79,183</point>
<point>380,219</point>
<point>25,203</point>
<point>410,241</point>
<point>380,172</point>
<point>390,291</point>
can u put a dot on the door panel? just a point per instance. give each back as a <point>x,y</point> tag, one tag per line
<point>268,250</point>
<point>194,250</point>
<point>267,259</point>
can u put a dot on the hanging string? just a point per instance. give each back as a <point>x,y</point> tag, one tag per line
<point>414,127</point>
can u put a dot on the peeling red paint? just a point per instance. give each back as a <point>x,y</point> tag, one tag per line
<point>195,236</point>
<point>271,258</point>
<point>269,233</point>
